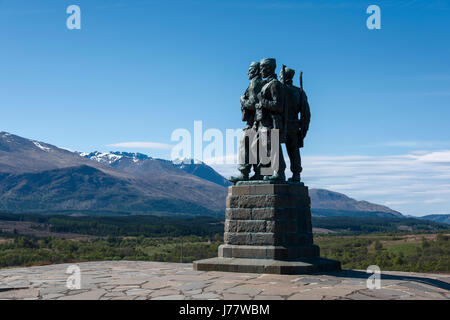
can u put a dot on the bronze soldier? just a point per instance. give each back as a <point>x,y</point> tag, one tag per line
<point>270,115</point>
<point>296,129</point>
<point>248,103</point>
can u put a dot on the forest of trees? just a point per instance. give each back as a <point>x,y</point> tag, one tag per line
<point>27,251</point>
<point>359,252</point>
<point>356,242</point>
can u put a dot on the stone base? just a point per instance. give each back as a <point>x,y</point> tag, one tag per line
<point>268,230</point>
<point>268,252</point>
<point>300,266</point>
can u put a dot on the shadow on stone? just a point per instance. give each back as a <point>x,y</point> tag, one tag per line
<point>355,274</point>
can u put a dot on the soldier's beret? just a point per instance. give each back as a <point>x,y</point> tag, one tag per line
<point>289,73</point>
<point>269,61</point>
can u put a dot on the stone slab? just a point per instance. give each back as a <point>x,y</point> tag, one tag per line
<point>301,266</point>
<point>268,238</point>
<point>263,182</point>
<point>268,252</point>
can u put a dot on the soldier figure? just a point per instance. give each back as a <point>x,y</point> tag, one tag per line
<point>248,103</point>
<point>296,102</point>
<point>270,115</point>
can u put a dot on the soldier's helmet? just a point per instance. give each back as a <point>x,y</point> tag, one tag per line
<point>269,62</point>
<point>289,73</point>
<point>254,66</point>
<point>268,66</point>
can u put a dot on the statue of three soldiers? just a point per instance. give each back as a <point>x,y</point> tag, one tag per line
<point>271,109</point>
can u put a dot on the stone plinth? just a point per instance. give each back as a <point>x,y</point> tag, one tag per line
<point>268,230</point>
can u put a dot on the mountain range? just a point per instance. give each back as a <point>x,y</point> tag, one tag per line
<point>442,218</point>
<point>36,177</point>
<point>42,178</point>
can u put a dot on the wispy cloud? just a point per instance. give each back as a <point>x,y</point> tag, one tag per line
<point>391,203</point>
<point>413,183</point>
<point>436,200</point>
<point>410,144</point>
<point>142,145</point>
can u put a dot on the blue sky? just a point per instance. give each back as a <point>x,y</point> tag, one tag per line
<point>137,70</point>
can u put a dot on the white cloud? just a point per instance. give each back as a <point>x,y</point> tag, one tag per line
<point>436,200</point>
<point>390,203</point>
<point>411,144</point>
<point>142,145</point>
<point>437,156</point>
<point>416,183</point>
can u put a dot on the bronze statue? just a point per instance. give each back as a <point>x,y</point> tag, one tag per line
<point>250,97</point>
<point>267,105</point>
<point>270,115</point>
<point>248,103</point>
<point>296,129</point>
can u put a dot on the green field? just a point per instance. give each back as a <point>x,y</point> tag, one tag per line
<point>419,253</point>
<point>27,240</point>
<point>401,252</point>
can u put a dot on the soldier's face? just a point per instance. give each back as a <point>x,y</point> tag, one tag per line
<point>252,72</point>
<point>266,70</point>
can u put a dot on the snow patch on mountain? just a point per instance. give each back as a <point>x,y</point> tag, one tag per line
<point>113,156</point>
<point>37,144</point>
<point>182,162</point>
<point>102,157</point>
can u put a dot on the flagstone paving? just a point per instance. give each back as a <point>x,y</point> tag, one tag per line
<point>118,280</point>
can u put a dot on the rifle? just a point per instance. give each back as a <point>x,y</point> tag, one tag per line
<point>301,135</point>
<point>301,81</point>
<point>285,108</point>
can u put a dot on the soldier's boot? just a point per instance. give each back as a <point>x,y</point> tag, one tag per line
<point>244,169</point>
<point>257,175</point>
<point>295,177</point>
<point>241,177</point>
<point>277,176</point>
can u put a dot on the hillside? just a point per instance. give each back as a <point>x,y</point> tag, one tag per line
<point>340,203</point>
<point>443,218</point>
<point>42,178</point>
<point>38,177</point>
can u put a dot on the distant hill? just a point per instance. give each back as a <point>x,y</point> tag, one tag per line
<point>42,178</point>
<point>202,170</point>
<point>353,214</point>
<point>89,190</point>
<point>443,218</point>
<point>367,224</point>
<point>39,177</point>
<point>333,203</point>
<point>141,164</point>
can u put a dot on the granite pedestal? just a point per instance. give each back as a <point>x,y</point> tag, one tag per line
<point>268,230</point>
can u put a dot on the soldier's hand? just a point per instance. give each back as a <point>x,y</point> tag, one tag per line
<point>264,103</point>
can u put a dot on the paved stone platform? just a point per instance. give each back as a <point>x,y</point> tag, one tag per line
<point>118,280</point>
